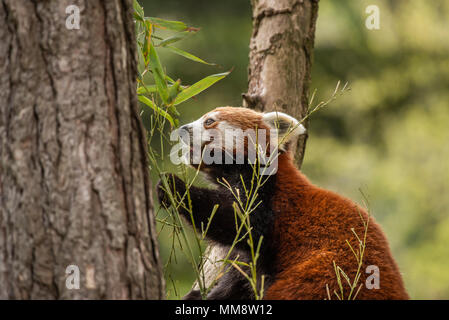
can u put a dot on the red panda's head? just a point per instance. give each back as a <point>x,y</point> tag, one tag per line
<point>235,131</point>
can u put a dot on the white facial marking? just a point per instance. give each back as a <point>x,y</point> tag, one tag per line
<point>288,128</point>
<point>238,146</point>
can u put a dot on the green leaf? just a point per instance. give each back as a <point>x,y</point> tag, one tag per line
<point>146,89</point>
<point>138,11</point>
<point>140,38</point>
<point>158,110</point>
<point>166,24</point>
<point>140,59</point>
<point>174,90</point>
<point>137,17</point>
<point>175,38</point>
<point>187,55</point>
<point>198,87</point>
<point>169,79</point>
<point>145,48</point>
<point>158,74</point>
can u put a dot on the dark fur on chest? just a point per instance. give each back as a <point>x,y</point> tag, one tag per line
<point>222,229</point>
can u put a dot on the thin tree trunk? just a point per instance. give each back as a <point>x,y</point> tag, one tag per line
<point>281,58</point>
<point>74,181</point>
<point>279,74</point>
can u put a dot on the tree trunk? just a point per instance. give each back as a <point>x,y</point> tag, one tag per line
<point>281,58</point>
<point>74,180</point>
<point>279,74</point>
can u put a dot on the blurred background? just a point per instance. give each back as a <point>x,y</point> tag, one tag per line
<point>388,136</point>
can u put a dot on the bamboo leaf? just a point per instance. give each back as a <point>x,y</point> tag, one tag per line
<point>138,11</point>
<point>187,55</point>
<point>167,24</point>
<point>198,87</point>
<point>148,29</point>
<point>174,90</point>
<point>167,78</point>
<point>158,74</point>
<point>146,89</point>
<point>175,38</point>
<point>158,110</point>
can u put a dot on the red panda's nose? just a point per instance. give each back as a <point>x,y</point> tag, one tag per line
<point>187,127</point>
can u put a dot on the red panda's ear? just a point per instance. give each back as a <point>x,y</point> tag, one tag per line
<point>287,127</point>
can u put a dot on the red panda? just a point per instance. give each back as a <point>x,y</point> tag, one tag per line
<point>305,229</point>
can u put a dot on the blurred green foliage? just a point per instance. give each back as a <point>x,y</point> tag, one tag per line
<point>388,136</point>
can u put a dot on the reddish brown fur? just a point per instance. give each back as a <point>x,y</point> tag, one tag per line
<point>242,118</point>
<point>310,232</point>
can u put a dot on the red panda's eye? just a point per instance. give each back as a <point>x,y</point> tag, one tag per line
<point>208,122</point>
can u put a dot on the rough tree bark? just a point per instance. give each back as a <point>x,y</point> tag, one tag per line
<point>281,58</point>
<point>74,181</point>
<point>280,63</point>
